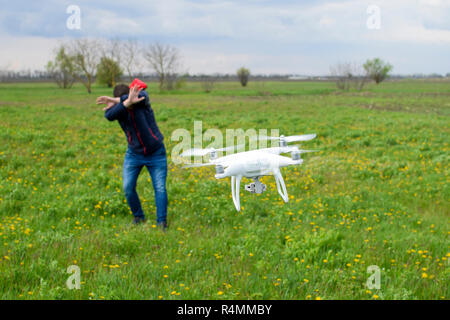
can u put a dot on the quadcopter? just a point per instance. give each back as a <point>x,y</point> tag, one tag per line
<point>253,164</point>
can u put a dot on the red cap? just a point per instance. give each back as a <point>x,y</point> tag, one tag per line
<point>139,83</point>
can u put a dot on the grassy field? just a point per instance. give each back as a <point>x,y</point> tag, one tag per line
<point>376,194</point>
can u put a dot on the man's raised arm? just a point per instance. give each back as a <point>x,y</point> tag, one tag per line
<point>114,107</point>
<point>117,107</point>
<point>116,112</point>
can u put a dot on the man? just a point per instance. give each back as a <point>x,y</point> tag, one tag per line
<point>131,108</point>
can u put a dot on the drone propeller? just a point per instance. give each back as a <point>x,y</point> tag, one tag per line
<point>194,152</point>
<point>304,137</point>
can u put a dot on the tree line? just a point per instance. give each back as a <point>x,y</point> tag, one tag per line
<point>106,61</point>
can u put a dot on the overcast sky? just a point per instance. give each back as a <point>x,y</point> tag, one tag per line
<point>283,36</point>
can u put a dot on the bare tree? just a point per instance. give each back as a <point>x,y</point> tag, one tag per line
<point>4,72</point>
<point>86,57</point>
<point>360,76</point>
<point>348,74</point>
<point>208,82</point>
<point>341,72</point>
<point>165,61</point>
<point>131,53</point>
<point>262,89</point>
<point>112,49</point>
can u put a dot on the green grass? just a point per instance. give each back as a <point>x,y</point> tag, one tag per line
<point>376,194</point>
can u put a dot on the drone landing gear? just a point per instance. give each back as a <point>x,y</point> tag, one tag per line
<point>235,183</point>
<point>257,187</point>
<point>281,186</point>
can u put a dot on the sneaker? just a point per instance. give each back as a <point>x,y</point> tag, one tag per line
<point>162,226</point>
<point>138,220</point>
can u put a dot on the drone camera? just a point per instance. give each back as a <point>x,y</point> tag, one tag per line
<point>213,155</point>
<point>255,187</point>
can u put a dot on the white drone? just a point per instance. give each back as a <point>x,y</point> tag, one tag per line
<point>253,164</point>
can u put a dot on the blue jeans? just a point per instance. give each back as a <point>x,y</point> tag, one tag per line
<point>156,164</point>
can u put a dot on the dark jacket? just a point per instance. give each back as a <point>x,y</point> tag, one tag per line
<point>138,123</point>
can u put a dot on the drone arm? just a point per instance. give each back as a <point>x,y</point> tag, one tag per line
<point>281,186</point>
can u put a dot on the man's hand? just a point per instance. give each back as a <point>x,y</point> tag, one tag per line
<point>133,97</point>
<point>109,105</point>
<point>107,100</point>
